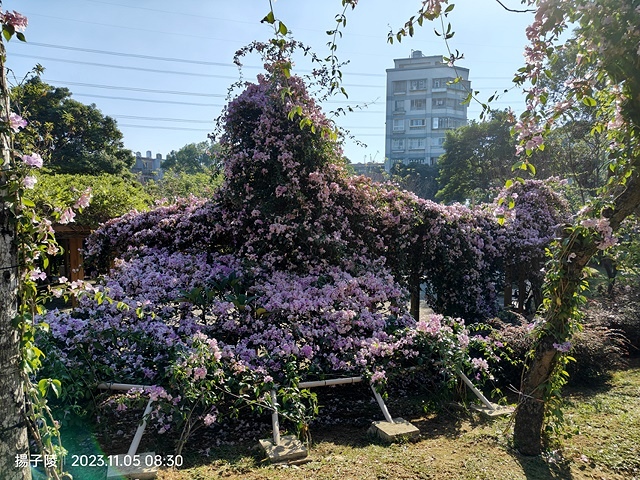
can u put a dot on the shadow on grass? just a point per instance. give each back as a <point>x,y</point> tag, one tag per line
<point>226,459</point>
<point>537,468</point>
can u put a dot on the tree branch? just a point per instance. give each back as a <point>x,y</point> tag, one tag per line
<point>528,10</point>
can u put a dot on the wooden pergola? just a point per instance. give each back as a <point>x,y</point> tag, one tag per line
<point>71,238</point>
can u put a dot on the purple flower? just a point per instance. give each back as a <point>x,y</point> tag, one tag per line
<point>16,20</point>
<point>480,364</point>
<point>209,419</point>
<point>84,199</point>
<point>67,216</point>
<point>562,347</point>
<point>29,181</point>
<point>16,122</point>
<point>307,351</point>
<point>199,372</point>
<point>33,160</point>
<point>379,376</point>
<point>36,274</point>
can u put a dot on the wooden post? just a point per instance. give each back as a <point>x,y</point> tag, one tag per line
<point>76,271</point>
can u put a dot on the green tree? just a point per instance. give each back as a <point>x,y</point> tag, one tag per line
<point>175,185</point>
<point>193,158</point>
<point>577,153</point>
<point>111,196</point>
<point>574,149</point>
<point>418,178</point>
<point>477,160</point>
<point>78,138</point>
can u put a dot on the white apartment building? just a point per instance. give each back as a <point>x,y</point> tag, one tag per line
<point>423,101</point>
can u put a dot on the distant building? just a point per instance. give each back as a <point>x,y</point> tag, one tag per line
<point>422,103</point>
<point>148,168</point>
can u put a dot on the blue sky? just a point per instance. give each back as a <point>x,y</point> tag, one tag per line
<point>162,69</point>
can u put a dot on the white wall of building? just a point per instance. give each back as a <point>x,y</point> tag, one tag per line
<point>423,101</point>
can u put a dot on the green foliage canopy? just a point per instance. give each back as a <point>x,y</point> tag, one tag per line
<point>180,184</point>
<point>112,196</point>
<point>193,158</point>
<point>77,138</point>
<point>477,159</point>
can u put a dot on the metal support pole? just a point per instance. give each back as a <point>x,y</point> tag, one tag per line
<point>140,431</point>
<point>125,387</point>
<point>477,392</point>
<point>274,419</point>
<point>122,387</point>
<point>382,405</point>
<point>328,383</point>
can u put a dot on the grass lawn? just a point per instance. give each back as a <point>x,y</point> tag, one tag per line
<point>456,445</point>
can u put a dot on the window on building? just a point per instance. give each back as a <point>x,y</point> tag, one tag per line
<point>437,83</point>
<point>397,144</point>
<point>433,161</point>
<point>446,123</point>
<point>418,104</point>
<point>417,124</point>
<point>400,87</point>
<point>398,106</point>
<point>398,125</point>
<point>416,143</point>
<point>438,102</point>
<point>418,84</point>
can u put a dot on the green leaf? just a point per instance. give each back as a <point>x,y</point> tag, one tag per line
<point>28,203</point>
<point>531,168</point>
<point>7,32</point>
<point>270,18</point>
<point>282,28</point>
<point>589,101</point>
<point>508,183</point>
<point>449,8</point>
<point>42,387</point>
<point>56,386</point>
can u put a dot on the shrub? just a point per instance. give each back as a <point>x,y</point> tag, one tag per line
<point>597,351</point>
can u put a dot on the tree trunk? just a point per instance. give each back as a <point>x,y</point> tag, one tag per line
<point>13,429</point>
<point>527,431</point>
<point>529,417</point>
<point>508,287</point>
<point>522,290</point>
<point>414,289</point>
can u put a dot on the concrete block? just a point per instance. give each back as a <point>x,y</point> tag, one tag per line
<point>393,432</point>
<point>139,467</point>
<point>290,449</point>
<point>497,411</point>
